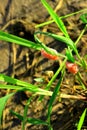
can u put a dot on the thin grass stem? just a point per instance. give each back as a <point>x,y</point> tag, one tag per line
<point>62,17</point>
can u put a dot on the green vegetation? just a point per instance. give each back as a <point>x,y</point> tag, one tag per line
<point>72,66</point>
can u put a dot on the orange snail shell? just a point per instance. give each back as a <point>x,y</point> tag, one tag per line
<point>72,67</point>
<point>49,56</point>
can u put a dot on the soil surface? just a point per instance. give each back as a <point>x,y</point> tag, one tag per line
<point>20,17</point>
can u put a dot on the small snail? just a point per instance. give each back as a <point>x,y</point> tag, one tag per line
<point>49,56</point>
<point>72,67</point>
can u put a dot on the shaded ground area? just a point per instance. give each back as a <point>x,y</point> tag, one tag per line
<point>20,18</point>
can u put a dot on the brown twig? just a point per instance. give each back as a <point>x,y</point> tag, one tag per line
<point>78,97</point>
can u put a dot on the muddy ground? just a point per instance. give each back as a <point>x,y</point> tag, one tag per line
<point>20,17</point>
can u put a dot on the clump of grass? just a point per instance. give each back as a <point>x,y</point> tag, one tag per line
<point>68,61</point>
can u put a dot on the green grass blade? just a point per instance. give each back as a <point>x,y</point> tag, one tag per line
<point>69,55</point>
<point>29,120</point>
<point>4,86</point>
<point>54,77</point>
<point>54,95</point>
<point>15,39</point>
<point>56,18</point>
<point>20,84</point>
<point>3,102</point>
<point>83,17</point>
<point>81,121</point>
<point>10,80</point>
<point>25,113</point>
<point>56,74</point>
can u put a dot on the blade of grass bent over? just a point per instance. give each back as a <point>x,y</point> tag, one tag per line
<point>47,49</point>
<point>56,18</point>
<point>66,40</point>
